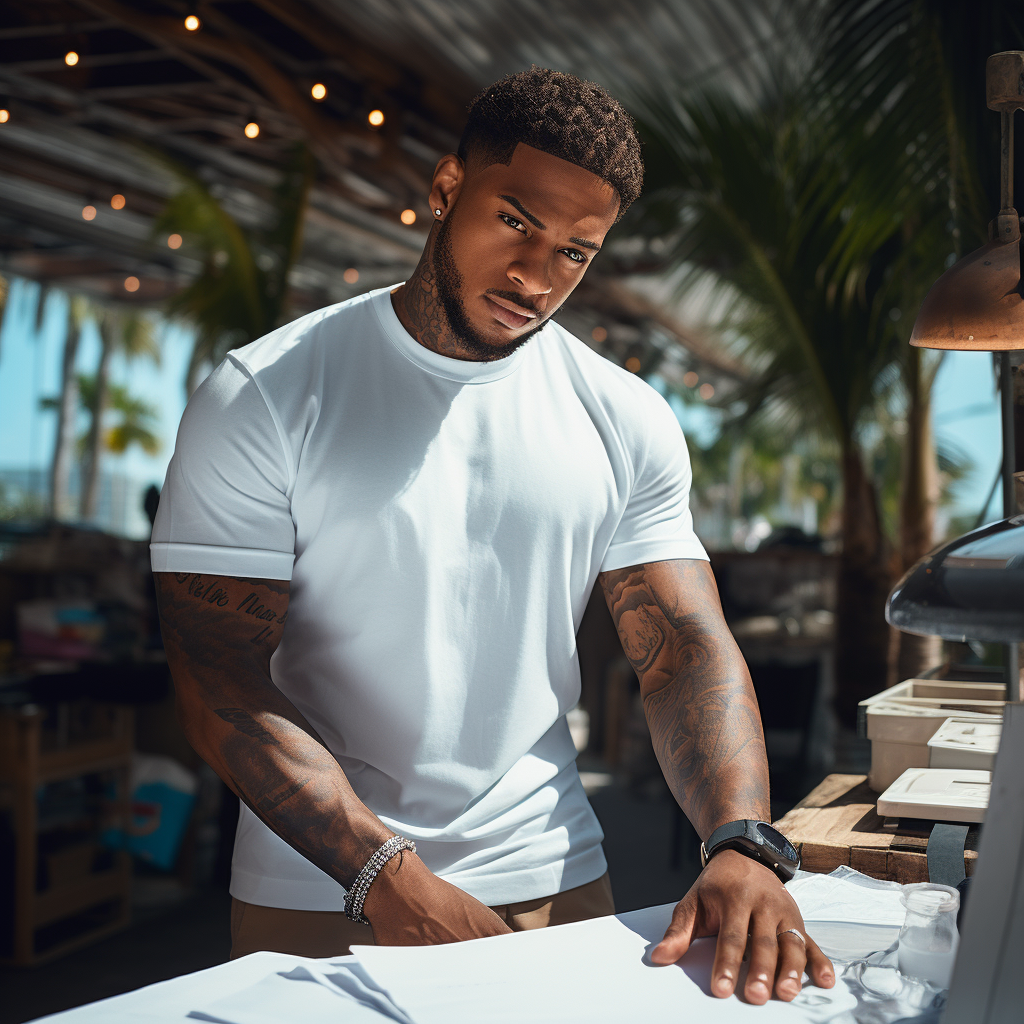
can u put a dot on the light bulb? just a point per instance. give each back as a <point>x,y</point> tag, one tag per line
<point>71,58</point>
<point>192,23</point>
<point>376,118</point>
<point>408,217</point>
<point>117,201</point>
<point>131,284</point>
<point>252,129</point>
<point>319,91</point>
<point>88,213</point>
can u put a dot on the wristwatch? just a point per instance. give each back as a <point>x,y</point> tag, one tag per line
<point>755,839</point>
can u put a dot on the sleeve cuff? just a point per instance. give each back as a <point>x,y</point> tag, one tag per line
<point>637,552</point>
<point>210,558</point>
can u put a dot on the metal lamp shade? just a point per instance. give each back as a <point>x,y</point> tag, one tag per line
<point>977,303</point>
<point>973,587</point>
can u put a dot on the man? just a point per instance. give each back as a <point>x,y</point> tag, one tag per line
<point>428,501</point>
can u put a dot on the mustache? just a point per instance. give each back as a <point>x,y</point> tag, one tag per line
<point>516,298</point>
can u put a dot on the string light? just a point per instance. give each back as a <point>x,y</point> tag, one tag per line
<point>88,213</point>
<point>5,116</point>
<point>633,364</point>
<point>252,129</point>
<point>117,201</point>
<point>407,217</point>
<point>193,24</point>
<point>131,284</point>
<point>351,275</point>
<point>690,379</point>
<point>174,241</point>
<point>319,91</point>
<point>599,334</point>
<point>71,58</point>
<point>707,391</point>
<point>376,118</point>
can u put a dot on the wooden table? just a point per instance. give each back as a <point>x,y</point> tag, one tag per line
<point>837,823</point>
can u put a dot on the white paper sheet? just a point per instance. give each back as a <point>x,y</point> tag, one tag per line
<point>326,992</point>
<point>593,972</point>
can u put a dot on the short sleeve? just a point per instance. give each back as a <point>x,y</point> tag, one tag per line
<point>657,524</point>
<point>225,506</point>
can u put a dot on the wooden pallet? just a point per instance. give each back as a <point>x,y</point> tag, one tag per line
<point>837,823</point>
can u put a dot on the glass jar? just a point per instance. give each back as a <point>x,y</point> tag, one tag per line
<point>929,937</point>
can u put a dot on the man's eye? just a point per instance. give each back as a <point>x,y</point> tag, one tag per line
<point>516,225</point>
<point>575,255</point>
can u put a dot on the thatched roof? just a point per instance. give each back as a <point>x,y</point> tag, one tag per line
<point>78,134</point>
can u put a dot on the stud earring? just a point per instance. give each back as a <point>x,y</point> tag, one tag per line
<point>437,212</point>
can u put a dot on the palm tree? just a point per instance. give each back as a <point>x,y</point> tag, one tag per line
<point>67,408</point>
<point>242,290</point>
<point>758,198</point>
<point>923,63</point>
<point>136,423</point>
<point>132,334</point>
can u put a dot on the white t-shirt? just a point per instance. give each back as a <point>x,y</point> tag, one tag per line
<point>442,523</point>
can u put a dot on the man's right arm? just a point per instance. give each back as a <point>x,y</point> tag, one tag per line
<point>219,633</point>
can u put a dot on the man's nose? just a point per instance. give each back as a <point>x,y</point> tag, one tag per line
<point>531,275</point>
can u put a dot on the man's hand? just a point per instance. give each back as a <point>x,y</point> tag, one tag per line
<point>408,905</point>
<point>745,905</point>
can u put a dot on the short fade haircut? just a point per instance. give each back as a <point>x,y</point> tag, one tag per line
<point>563,116</point>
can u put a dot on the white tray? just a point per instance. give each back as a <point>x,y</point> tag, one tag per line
<point>960,743</point>
<point>938,794</point>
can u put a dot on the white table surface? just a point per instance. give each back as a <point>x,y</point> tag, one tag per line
<point>171,1001</point>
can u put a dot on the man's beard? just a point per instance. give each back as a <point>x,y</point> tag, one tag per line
<point>449,285</point>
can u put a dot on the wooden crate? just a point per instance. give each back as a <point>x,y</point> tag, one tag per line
<point>837,823</point>
<point>102,898</point>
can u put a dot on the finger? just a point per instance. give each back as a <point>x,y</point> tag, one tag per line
<point>764,952</point>
<point>678,935</point>
<point>792,959</point>
<point>819,967</point>
<point>732,941</point>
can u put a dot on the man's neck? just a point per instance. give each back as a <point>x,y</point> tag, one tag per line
<point>418,306</point>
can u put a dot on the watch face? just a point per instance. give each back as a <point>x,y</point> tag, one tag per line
<point>777,841</point>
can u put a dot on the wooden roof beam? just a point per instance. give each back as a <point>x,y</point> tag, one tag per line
<point>60,28</point>
<point>325,137</point>
<point>85,60</point>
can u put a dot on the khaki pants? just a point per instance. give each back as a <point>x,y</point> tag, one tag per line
<point>320,933</point>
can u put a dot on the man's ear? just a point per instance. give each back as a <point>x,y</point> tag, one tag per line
<point>449,174</point>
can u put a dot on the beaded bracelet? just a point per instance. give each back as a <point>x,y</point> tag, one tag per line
<point>356,895</point>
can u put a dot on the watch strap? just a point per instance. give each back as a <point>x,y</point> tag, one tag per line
<point>730,830</point>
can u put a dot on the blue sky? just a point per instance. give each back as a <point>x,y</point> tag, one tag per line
<point>965,404</point>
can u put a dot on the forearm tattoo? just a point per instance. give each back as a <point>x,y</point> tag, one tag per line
<point>696,690</point>
<point>220,633</point>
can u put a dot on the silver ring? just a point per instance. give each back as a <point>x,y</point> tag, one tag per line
<point>794,931</point>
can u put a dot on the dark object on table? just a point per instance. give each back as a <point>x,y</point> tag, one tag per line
<point>972,587</point>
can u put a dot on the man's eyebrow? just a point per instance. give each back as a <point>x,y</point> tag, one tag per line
<point>586,243</point>
<point>524,211</point>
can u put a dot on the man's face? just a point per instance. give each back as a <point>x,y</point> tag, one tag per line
<point>514,244</point>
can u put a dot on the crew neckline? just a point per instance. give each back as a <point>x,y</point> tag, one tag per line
<point>465,371</point>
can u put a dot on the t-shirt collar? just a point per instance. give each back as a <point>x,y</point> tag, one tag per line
<point>465,371</point>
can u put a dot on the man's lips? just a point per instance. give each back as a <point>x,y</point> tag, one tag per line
<point>510,313</point>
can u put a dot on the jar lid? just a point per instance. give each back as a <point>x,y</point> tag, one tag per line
<point>930,898</point>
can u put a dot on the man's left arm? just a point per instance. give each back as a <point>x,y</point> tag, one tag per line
<point>706,730</point>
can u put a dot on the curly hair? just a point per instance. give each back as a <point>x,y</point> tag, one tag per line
<point>558,114</point>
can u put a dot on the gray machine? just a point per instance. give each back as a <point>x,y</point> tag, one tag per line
<point>987,978</point>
